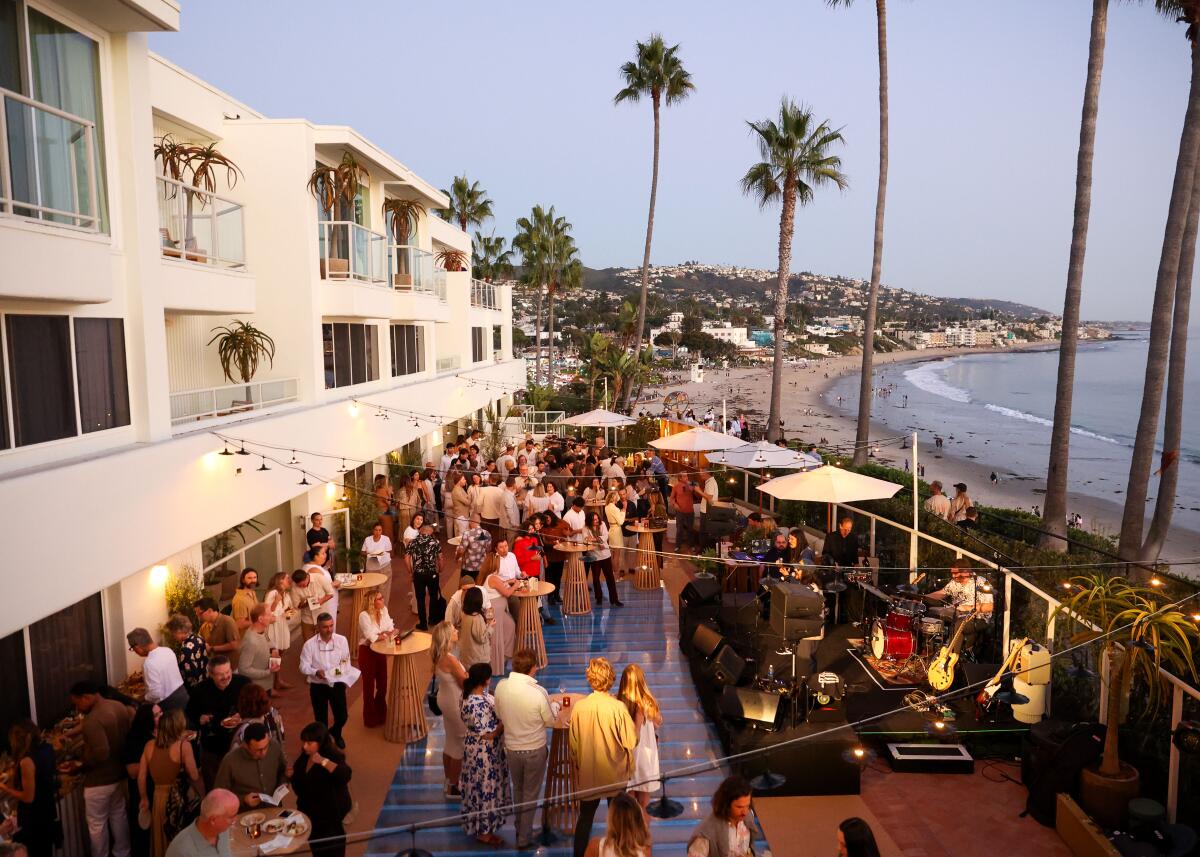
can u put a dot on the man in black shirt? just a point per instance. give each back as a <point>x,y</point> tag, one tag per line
<point>213,702</point>
<point>841,546</point>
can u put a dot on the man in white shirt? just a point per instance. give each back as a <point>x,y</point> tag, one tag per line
<point>311,592</point>
<point>377,549</point>
<point>454,605</point>
<point>510,514</point>
<point>524,708</point>
<point>491,508</point>
<point>708,494</point>
<point>164,684</point>
<point>938,503</point>
<point>576,519</point>
<point>555,497</point>
<point>325,661</point>
<point>506,462</point>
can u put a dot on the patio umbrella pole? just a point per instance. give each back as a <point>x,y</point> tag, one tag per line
<point>912,545</point>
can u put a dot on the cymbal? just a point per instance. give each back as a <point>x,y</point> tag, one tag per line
<point>835,586</point>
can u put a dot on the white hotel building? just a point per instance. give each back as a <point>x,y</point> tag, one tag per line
<point>110,285</point>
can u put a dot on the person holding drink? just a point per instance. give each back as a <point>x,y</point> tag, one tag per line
<point>374,624</point>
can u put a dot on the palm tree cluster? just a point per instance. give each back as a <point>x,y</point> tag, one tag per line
<point>550,263</point>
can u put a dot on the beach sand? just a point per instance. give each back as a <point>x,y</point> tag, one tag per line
<point>830,425</point>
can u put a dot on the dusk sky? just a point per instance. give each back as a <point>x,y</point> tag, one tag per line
<point>985,106</point>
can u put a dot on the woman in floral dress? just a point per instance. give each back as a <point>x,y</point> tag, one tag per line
<point>485,786</point>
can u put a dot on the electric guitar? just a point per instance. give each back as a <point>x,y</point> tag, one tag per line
<point>941,671</point>
<point>984,702</point>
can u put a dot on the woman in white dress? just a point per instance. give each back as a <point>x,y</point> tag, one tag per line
<point>496,591</point>
<point>626,833</point>
<point>647,717</point>
<point>279,632</point>
<point>449,673</point>
<point>614,511</point>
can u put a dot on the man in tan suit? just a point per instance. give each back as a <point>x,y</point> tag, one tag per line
<point>602,739</point>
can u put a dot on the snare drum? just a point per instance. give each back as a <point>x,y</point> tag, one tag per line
<point>891,643</point>
<point>932,626</point>
<point>903,613</point>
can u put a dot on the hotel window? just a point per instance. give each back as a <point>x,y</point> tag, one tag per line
<point>350,354</point>
<point>47,395</point>
<point>51,63</point>
<point>408,349</point>
<point>477,335</point>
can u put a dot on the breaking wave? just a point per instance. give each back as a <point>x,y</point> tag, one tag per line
<point>1031,418</point>
<point>931,377</point>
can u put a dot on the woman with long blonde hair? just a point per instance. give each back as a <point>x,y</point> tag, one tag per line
<point>163,757</point>
<point>626,832</point>
<point>374,625</point>
<point>449,674</point>
<point>647,717</point>
<point>614,512</point>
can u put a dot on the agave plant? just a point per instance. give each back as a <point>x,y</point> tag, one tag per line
<point>241,346</point>
<point>452,260</point>
<point>199,165</point>
<point>402,216</point>
<point>1140,636</point>
<point>329,184</point>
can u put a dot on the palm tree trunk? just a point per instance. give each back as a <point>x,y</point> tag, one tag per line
<point>1110,761</point>
<point>787,222</point>
<point>1054,515</point>
<point>550,344</point>
<point>866,381</point>
<point>639,329</point>
<point>1164,505</point>
<point>537,360</point>
<point>1133,519</point>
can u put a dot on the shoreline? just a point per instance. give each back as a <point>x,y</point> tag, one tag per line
<point>828,425</point>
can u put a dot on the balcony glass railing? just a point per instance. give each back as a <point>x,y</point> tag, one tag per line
<point>47,164</point>
<point>412,270</point>
<point>349,251</point>
<point>483,295</point>
<point>196,226</point>
<point>192,405</point>
<point>448,364</point>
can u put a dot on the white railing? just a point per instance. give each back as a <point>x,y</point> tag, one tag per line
<point>483,295</point>
<point>448,364</point>
<point>411,269</point>
<point>275,534</point>
<point>47,163</point>
<point>191,405</point>
<point>541,422</point>
<point>349,251</point>
<point>197,226</point>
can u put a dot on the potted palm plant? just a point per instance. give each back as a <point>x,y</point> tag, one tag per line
<point>199,165</point>
<point>402,216</point>
<point>329,185</point>
<point>452,260</point>
<point>1139,636</point>
<point>241,346</point>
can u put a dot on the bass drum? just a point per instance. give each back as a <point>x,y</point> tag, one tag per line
<point>891,643</point>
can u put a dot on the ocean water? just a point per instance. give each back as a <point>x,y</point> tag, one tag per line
<point>999,408</point>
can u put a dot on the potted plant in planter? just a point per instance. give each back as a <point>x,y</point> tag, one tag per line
<point>452,260</point>
<point>1139,636</point>
<point>402,216</point>
<point>329,185</point>
<point>241,346</point>
<point>186,162</point>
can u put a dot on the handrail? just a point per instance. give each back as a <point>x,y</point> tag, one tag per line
<point>351,251</point>
<point>179,223</point>
<point>205,402</point>
<point>483,294</point>
<point>275,533</point>
<point>44,149</point>
<point>411,269</point>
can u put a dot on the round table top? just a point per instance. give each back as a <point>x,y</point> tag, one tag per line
<point>241,843</point>
<point>638,528</point>
<point>367,580</point>
<point>564,714</point>
<point>543,588</point>
<point>571,547</point>
<point>414,643</point>
<point>456,541</point>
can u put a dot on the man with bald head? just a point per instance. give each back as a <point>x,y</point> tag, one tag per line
<point>208,835</point>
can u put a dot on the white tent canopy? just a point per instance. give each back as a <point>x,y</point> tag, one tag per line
<point>600,418</point>
<point>765,455</point>
<point>829,484</point>
<point>697,439</point>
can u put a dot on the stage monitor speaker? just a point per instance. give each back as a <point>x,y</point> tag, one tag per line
<point>706,639</point>
<point>701,591</point>
<point>795,629</point>
<point>795,600</point>
<point>727,667</point>
<point>745,703</point>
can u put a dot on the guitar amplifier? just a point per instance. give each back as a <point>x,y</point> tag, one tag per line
<point>796,611</point>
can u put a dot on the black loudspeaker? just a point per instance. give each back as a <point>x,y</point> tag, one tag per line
<point>727,667</point>
<point>701,591</point>
<point>745,703</point>
<point>795,600</point>
<point>706,639</point>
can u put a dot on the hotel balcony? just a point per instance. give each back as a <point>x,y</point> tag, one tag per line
<point>365,277</point>
<point>229,400</point>
<point>52,230</point>
<point>203,241</point>
<point>483,295</point>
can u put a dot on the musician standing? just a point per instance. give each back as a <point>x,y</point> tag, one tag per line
<point>967,593</point>
<point>841,545</point>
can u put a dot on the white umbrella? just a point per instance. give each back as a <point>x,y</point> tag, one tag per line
<point>829,484</point>
<point>765,455</point>
<point>600,418</point>
<point>697,439</point>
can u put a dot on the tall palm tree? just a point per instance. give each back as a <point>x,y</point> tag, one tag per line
<point>492,260</point>
<point>795,162</point>
<point>866,380</point>
<point>535,242</point>
<point>656,72</point>
<point>1054,515</point>
<point>469,203</point>
<point>1133,518</point>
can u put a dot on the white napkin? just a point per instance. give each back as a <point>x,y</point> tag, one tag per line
<point>279,843</point>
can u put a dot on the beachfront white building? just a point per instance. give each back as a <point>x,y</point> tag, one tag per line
<point>112,280</point>
<point>726,332</point>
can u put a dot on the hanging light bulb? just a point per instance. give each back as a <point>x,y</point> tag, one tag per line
<point>304,479</point>
<point>345,497</point>
<point>342,469</point>
<point>294,460</point>
<point>263,467</point>
<point>225,451</point>
<point>242,451</point>
<point>1155,581</point>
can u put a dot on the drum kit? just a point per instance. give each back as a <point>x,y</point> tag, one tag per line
<point>910,629</point>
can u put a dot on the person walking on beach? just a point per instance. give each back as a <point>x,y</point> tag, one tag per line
<point>995,479</point>
<point>938,503</point>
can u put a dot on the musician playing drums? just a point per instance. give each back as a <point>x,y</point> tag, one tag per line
<point>967,593</point>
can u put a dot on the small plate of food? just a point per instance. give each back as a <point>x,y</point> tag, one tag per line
<point>252,818</point>
<point>231,721</point>
<point>275,825</point>
<point>296,826</point>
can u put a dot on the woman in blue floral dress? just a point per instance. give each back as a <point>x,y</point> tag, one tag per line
<point>484,784</point>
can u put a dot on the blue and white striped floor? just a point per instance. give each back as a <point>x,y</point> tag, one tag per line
<point>644,631</point>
